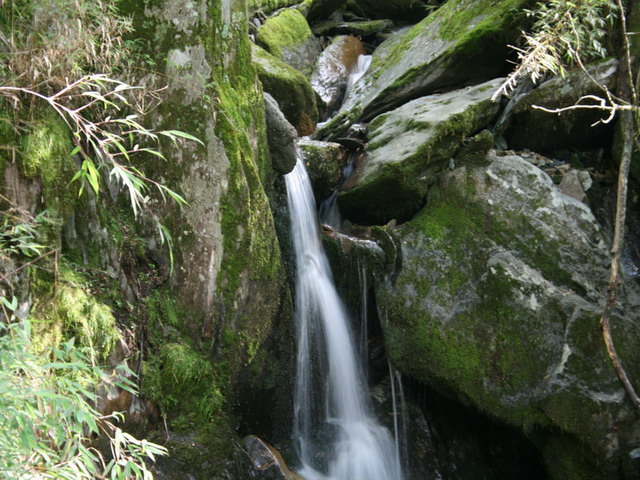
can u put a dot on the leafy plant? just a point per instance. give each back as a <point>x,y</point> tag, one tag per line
<point>565,32</point>
<point>45,42</point>
<point>47,421</point>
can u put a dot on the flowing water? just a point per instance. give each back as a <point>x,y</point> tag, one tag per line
<point>336,435</point>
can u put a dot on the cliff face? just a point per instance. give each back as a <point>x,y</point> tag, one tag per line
<point>197,326</point>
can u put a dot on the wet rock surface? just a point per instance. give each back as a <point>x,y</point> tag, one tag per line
<point>324,162</point>
<point>331,72</point>
<point>266,461</point>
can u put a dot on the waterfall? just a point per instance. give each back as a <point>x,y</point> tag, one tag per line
<point>336,435</point>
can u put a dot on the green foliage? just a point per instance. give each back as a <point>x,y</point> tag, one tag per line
<point>564,33</point>
<point>182,381</point>
<point>48,41</point>
<point>18,237</point>
<point>47,420</point>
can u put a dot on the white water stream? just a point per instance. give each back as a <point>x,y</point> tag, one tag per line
<point>336,436</point>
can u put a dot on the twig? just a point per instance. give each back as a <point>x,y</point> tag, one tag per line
<point>12,272</point>
<point>618,237</point>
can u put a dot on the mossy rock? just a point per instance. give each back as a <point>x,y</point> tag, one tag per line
<point>324,162</point>
<point>290,88</point>
<point>44,156</point>
<point>406,146</point>
<point>463,42</point>
<point>364,28</point>
<point>288,37</point>
<point>268,6</point>
<point>71,310</point>
<point>497,305</point>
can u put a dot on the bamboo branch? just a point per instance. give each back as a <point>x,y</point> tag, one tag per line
<point>627,126</point>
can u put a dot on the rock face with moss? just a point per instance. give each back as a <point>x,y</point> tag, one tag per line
<point>288,37</point>
<point>497,304</point>
<point>463,42</point>
<point>289,87</point>
<point>215,323</point>
<point>324,162</point>
<point>407,145</point>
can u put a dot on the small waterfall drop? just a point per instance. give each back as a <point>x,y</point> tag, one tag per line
<point>336,436</point>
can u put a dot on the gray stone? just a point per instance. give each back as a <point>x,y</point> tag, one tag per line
<point>407,145</point>
<point>287,35</point>
<point>281,137</point>
<point>498,304</point>
<point>463,42</point>
<point>266,461</point>
<point>543,131</point>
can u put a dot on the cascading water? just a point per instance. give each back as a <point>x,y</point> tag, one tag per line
<point>336,436</point>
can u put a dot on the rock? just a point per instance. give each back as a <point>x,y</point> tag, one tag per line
<point>462,43</point>
<point>266,461</point>
<point>281,137</point>
<point>288,37</point>
<point>406,146</point>
<point>268,6</point>
<point>572,185</point>
<point>290,88</point>
<point>323,8</point>
<point>543,131</point>
<point>324,161</point>
<point>497,304</point>
<point>330,75</point>
<point>368,28</point>
<point>405,10</point>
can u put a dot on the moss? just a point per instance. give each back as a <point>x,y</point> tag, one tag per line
<point>184,384</point>
<point>290,88</point>
<point>45,155</point>
<point>458,17</point>
<point>289,29</point>
<point>73,312</point>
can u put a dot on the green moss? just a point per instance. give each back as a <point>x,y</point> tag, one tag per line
<point>459,16</point>
<point>289,29</point>
<point>290,88</point>
<point>184,384</point>
<point>73,312</point>
<point>45,155</point>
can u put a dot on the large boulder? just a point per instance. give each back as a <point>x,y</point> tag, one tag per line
<point>463,42</point>
<point>289,87</point>
<point>331,72</point>
<point>288,37</point>
<point>406,146</point>
<point>542,131</point>
<point>497,304</point>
